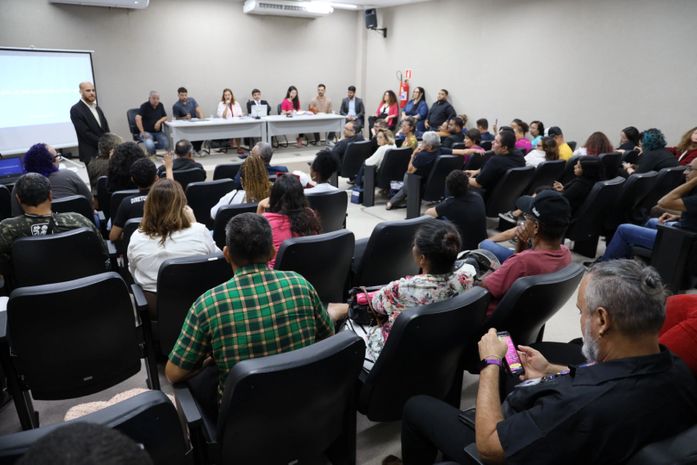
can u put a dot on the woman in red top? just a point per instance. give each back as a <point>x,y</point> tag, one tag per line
<point>290,104</point>
<point>686,150</point>
<point>388,109</point>
<point>288,213</point>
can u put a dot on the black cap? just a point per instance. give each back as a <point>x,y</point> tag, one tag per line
<point>547,207</point>
<point>554,131</point>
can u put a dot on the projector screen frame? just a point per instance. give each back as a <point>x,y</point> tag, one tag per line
<point>52,50</point>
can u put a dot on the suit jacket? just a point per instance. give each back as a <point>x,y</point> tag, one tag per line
<point>263,102</point>
<point>360,110</point>
<point>87,129</point>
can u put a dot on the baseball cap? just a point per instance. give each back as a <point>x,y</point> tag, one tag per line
<point>554,131</point>
<point>548,207</point>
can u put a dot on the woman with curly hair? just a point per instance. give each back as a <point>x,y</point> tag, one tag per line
<point>388,109</point>
<point>254,178</point>
<point>168,230</point>
<point>288,212</point>
<point>43,159</point>
<point>686,150</point>
<point>119,177</point>
<point>653,155</point>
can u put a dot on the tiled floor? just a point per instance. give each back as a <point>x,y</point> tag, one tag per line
<point>375,440</point>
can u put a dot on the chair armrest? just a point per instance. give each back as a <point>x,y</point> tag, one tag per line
<point>369,173</point>
<point>187,408</point>
<point>113,255</point>
<point>3,324</point>
<point>147,344</point>
<point>413,188</point>
<point>140,301</point>
<point>471,450</point>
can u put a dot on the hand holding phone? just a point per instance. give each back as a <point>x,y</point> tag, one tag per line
<point>515,366</point>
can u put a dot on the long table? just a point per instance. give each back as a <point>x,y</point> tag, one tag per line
<point>216,128</point>
<point>277,125</point>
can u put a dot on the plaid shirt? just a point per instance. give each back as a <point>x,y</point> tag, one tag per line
<point>258,312</point>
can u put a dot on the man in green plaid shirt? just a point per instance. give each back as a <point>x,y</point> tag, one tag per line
<point>259,312</point>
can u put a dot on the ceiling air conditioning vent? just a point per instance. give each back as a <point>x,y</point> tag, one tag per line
<point>133,4</point>
<point>308,9</point>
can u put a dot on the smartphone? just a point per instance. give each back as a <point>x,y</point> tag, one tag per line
<point>512,359</point>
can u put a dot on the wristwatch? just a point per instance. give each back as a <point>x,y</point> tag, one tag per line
<point>485,362</point>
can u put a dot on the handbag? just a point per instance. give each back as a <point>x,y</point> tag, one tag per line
<point>361,309</point>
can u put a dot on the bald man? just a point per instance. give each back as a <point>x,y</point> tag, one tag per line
<point>89,121</point>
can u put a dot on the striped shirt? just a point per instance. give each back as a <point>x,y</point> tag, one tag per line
<point>258,312</point>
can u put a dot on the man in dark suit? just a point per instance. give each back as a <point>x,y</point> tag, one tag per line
<point>352,107</point>
<point>257,102</point>
<point>89,122</point>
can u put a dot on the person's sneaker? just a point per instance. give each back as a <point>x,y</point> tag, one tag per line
<point>508,217</point>
<point>485,259</point>
<point>391,460</point>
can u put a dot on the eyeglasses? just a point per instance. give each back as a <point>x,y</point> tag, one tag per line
<point>689,168</point>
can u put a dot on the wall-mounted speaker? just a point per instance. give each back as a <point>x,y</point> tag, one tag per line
<point>371,18</point>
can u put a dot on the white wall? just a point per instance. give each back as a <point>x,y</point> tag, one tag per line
<point>204,45</point>
<point>582,65</point>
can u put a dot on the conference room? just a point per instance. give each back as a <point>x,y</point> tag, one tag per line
<point>583,67</point>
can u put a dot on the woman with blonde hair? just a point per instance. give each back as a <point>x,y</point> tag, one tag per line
<point>168,229</point>
<point>254,178</point>
<point>229,108</point>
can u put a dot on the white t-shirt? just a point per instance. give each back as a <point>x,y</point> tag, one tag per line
<point>321,188</point>
<point>535,157</point>
<point>146,254</point>
<point>236,110</point>
<point>376,158</point>
<point>234,197</point>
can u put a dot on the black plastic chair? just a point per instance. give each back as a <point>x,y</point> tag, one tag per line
<point>433,190</point>
<point>626,207</point>
<point>356,154</point>
<point>71,339</point>
<point>386,255</point>
<point>587,224</point>
<point>180,281</point>
<point>285,408</point>
<point>57,257</point>
<point>202,196</point>
<point>674,255</point>
<point>226,171</point>
<point>324,260</point>
<point>545,174</point>
<point>185,177</point>
<point>5,204</point>
<point>513,184</point>
<point>148,418</point>
<point>486,144</point>
<point>667,180</point>
<point>572,144</point>
<point>224,215</point>
<point>74,204</point>
<point>568,174</point>
<point>393,168</point>
<point>679,449</point>
<point>132,126</point>
<point>331,208</point>
<point>103,197</point>
<point>116,198</point>
<point>423,355</point>
<point>612,162</point>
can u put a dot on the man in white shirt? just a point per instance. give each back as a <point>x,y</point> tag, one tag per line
<point>89,122</point>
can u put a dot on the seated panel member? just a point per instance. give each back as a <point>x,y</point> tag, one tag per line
<point>149,120</point>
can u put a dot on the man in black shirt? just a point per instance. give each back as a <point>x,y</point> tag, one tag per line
<point>440,112</point>
<point>505,157</point>
<point>453,134</point>
<point>352,133</point>
<point>144,174</point>
<point>631,393</point>
<point>149,120</point>
<point>184,160</point>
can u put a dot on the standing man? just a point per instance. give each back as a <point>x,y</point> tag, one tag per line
<point>440,112</point>
<point>321,104</point>
<point>89,122</point>
<point>150,118</point>
<point>186,108</point>
<point>352,107</point>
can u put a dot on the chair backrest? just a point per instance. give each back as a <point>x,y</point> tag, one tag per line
<point>633,191</point>
<point>5,204</point>
<point>590,216</point>
<point>486,144</point>
<point>226,171</point>
<point>458,145</point>
<point>356,154</point>
<point>434,189</point>
<point>74,204</point>
<point>545,174</point>
<point>148,418</point>
<point>679,449</point>
<point>513,184</point>
<point>572,144</point>
<point>90,321</point>
<point>331,208</point>
<point>180,281</point>
<point>201,196</point>
<point>224,215</point>
<point>387,255</point>
<point>129,228</point>
<point>612,162</point>
<point>131,118</point>
<point>532,300</point>
<point>675,257</point>
<point>422,354</point>
<point>116,198</point>
<point>667,180</point>
<point>291,406</point>
<point>184,177</point>
<point>103,197</point>
<point>57,257</point>
<point>310,255</point>
<point>393,167</point>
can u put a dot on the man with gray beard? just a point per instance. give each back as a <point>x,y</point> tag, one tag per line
<point>632,391</point>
